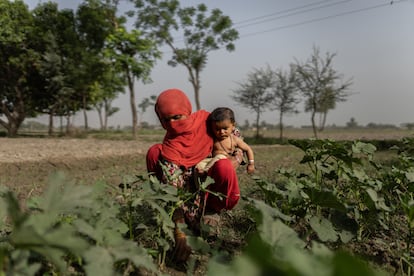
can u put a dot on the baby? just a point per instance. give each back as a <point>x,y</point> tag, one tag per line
<point>226,143</point>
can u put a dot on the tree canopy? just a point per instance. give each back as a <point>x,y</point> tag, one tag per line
<point>320,85</point>
<point>255,93</point>
<point>200,33</point>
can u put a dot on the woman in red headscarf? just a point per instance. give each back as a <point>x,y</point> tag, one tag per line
<point>185,144</point>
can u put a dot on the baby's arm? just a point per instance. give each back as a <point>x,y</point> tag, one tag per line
<point>249,152</point>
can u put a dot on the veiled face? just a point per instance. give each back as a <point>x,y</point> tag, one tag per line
<point>172,105</point>
<point>168,121</point>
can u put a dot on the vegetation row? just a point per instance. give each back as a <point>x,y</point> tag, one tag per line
<point>316,221</point>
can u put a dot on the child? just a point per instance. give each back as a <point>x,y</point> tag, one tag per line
<point>222,125</point>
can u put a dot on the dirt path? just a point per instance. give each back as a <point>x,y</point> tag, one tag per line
<point>35,149</point>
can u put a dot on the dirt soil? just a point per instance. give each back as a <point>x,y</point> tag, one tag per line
<point>27,163</point>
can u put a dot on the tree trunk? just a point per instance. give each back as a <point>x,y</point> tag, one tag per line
<point>61,124</point>
<point>85,115</point>
<point>132,102</point>
<point>16,117</point>
<point>323,121</point>
<point>99,110</point>
<point>281,126</point>
<point>315,132</point>
<point>195,81</point>
<point>106,115</point>
<point>67,124</point>
<point>197,96</point>
<point>50,130</point>
<point>12,129</point>
<point>257,124</point>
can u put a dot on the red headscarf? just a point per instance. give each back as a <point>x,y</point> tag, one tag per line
<point>186,142</point>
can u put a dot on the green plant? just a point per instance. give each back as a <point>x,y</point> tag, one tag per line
<point>70,228</point>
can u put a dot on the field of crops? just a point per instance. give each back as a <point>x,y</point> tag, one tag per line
<point>320,207</point>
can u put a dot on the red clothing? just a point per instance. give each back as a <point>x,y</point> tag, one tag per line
<point>186,143</point>
<point>223,173</point>
<point>226,183</point>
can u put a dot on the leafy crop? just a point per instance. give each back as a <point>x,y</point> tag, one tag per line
<point>346,196</point>
<point>312,222</point>
<point>70,229</point>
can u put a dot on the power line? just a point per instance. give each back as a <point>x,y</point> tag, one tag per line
<point>395,2</point>
<point>300,8</point>
<point>289,14</point>
<point>279,12</point>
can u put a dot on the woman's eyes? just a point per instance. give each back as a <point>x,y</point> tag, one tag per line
<point>173,118</point>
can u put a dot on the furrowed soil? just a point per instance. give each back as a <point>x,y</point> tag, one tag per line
<point>27,163</point>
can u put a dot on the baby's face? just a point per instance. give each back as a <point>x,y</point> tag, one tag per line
<point>222,129</point>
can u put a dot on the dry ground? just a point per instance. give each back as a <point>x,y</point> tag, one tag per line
<point>27,163</point>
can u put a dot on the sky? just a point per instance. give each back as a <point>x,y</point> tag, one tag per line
<point>373,41</point>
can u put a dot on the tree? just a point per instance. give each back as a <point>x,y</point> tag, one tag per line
<point>147,102</point>
<point>62,63</point>
<point>256,92</point>
<point>284,95</point>
<point>56,92</point>
<point>201,33</point>
<point>18,65</point>
<point>317,80</point>
<point>352,123</point>
<point>95,21</point>
<point>134,56</point>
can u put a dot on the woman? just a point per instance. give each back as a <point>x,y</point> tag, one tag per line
<point>185,144</point>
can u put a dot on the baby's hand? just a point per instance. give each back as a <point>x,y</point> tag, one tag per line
<point>250,168</point>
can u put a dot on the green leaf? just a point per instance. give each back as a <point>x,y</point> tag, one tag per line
<point>324,199</point>
<point>378,200</point>
<point>21,265</point>
<point>99,262</point>
<point>323,228</point>
<point>198,244</point>
<point>306,264</point>
<point>410,176</point>
<point>345,265</point>
<point>64,196</point>
<point>129,250</point>
<point>346,236</point>
<point>278,235</point>
<point>3,212</point>
<point>270,212</point>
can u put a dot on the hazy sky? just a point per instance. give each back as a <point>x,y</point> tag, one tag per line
<point>373,40</point>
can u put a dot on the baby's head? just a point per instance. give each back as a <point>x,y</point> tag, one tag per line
<point>221,122</point>
<point>222,113</point>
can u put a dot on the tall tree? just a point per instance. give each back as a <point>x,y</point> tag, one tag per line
<point>256,93</point>
<point>18,65</point>
<point>105,91</point>
<point>134,56</point>
<point>284,95</point>
<point>95,21</point>
<point>145,103</point>
<point>200,34</point>
<point>321,85</point>
<point>60,66</point>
